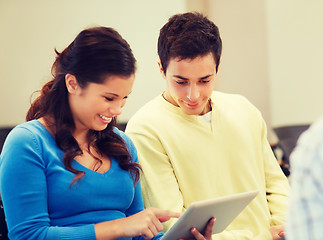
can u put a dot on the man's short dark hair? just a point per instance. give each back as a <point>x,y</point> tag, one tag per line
<point>187,36</point>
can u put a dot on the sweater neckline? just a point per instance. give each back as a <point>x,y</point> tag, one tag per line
<point>80,166</point>
<point>179,111</point>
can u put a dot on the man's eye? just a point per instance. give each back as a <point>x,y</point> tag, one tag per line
<point>180,82</point>
<point>108,99</point>
<point>205,81</point>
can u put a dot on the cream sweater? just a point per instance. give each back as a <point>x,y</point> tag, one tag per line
<point>185,159</point>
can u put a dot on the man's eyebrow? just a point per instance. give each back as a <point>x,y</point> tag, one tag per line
<point>180,77</point>
<point>207,76</point>
<point>202,78</point>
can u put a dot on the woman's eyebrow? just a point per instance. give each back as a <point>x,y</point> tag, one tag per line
<point>116,95</point>
<point>111,94</point>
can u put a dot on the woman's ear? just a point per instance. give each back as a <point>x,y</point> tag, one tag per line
<point>71,83</point>
<point>161,69</point>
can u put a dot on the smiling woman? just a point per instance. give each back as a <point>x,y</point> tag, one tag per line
<point>70,149</point>
<point>70,104</point>
<point>97,104</point>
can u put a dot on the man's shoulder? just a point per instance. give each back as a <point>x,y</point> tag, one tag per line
<point>229,98</point>
<point>150,110</point>
<point>224,101</point>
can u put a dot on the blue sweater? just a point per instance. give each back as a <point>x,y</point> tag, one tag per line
<point>39,201</point>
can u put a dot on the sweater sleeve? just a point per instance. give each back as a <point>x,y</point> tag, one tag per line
<point>137,204</point>
<point>277,186</point>
<point>23,188</point>
<point>159,184</point>
<point>277,189</point>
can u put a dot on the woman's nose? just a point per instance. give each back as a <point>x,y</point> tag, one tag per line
<point>116,109</point>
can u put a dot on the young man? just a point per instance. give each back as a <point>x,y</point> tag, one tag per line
<point>195,143</point>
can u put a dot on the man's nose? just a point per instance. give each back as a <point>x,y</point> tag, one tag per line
<point>193,93</point>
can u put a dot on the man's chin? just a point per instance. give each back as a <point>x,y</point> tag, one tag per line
<point>190,111</point>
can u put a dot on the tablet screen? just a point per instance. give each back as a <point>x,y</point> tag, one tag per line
<point>224,209</point>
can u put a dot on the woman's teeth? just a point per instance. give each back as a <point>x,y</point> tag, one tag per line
<point>104,117</point>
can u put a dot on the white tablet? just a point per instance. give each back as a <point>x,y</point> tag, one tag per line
<point>224,209</point>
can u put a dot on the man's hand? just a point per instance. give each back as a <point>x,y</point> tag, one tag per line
<point>207,232</point>
<point>277,231</point>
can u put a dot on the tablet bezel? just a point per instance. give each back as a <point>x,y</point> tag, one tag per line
<point>224,209</point>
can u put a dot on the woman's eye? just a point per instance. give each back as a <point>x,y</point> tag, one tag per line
<point>108,99</point>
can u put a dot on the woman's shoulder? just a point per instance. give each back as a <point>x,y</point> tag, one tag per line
<point>120,133</point>
<point>26,129</point>
<point>123,135</point>
<point>127,140</point>
<point>26,139</point>
<point>28,133</point>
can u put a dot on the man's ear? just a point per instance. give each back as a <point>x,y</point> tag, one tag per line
<point>161,69</point>
<point>71,83</point>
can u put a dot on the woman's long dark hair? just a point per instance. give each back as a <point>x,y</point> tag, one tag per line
<point>95,54</point>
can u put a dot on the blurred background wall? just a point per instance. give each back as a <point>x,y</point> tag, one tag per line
<point>30,30</point>
<point>271,50</point>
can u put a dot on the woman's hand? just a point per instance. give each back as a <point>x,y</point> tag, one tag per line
<point>146,223</point>
<point>277,231</point>
<point>207,233</point>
